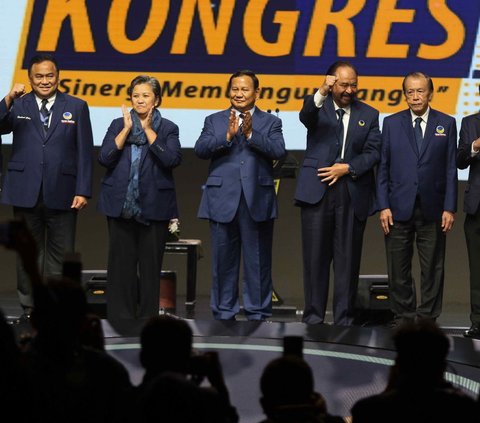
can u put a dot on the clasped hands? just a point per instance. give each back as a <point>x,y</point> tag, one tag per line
<point>128,123</point>
<point>233,125</point>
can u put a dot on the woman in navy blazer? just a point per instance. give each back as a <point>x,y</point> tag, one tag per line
<point>138,197</point>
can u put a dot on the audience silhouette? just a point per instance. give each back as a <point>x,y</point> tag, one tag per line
<point>65,379</point>
<point>64,373</point>
<point>417,390</point>
<point>14,386</point>
<point>170,390</point>
<point>71,382</point>
<point>288,394</point>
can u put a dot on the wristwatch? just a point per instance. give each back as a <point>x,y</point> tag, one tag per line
<point>351,172</point>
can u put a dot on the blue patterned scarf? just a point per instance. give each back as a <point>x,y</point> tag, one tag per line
<point>138,140</point>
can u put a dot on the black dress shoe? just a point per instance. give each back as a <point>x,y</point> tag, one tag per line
<point>473,332</point>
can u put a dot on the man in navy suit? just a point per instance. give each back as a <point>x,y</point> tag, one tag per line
<point>239,198</point>
<point>468,155</point>
<point>417,196</point>
<point>335,191</point>
<point>49,175</point>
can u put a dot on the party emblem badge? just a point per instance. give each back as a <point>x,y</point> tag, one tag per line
<point>67,118</point>
<point>440,131</point>
<point>361,122</point>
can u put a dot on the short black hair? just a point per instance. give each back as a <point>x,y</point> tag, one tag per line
<point>245,72</point>
<point>166,344</point>
<point>42,57</point>
<point>421,347</point>
<point>146,79</point>
<point>418,75</point>
<point>340,64</point>
<point>287,380</point>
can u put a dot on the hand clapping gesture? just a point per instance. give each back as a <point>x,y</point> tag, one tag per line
<point>147,122</point>
<point>127,118</point>
<point>232,125</point>
<point>247,124</point>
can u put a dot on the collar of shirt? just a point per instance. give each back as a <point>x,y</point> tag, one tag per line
<point>347,109</point>
<point>252,111</point>
<point>424,116</point>
<point>50,101</point>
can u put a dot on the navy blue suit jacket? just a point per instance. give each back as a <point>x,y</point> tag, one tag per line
<point>469,132</point>
<point>157,189</point>
<point>241,165</point>
<point>60,162</point>
<point>362,152</point>
<point>404,171</point>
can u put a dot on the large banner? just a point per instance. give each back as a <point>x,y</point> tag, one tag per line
<point>192,46</point>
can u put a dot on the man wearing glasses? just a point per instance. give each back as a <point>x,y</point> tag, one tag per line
<point>417,198</point>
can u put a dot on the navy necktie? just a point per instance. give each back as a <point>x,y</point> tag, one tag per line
<point>340,132</point>
<point>44,114</point>
<point>418,132</point>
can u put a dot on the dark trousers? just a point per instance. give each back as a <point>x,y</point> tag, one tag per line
<point>134,268</point>
<point>430,242</point>
<point>54,232</point>
<point>472,235</point>
<point>230,241</point>
<point>331,233</point>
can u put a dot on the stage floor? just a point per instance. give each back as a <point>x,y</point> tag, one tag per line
<point>348,363</point>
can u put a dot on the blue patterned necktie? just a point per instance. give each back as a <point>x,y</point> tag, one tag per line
<point>44,114</point>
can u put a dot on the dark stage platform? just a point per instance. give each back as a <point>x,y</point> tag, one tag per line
<point>348,363</point>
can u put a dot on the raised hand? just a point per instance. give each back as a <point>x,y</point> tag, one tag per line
<point>247,124</point>
<point>329,82</point>
<point>232,125</point>
<point>17,91</point>
<point>127,118</point>
<point>147,122</point>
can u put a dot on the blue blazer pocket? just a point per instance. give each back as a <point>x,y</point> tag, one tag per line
<point>107,181</point>
<point>214,181</point>
<point>265,180</point>
<point>310,162</point>
<point>18,166</point>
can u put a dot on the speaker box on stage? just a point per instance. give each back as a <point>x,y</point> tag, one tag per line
<point>168,291</point>
<point>95,284</point>
<point>372,305</point>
